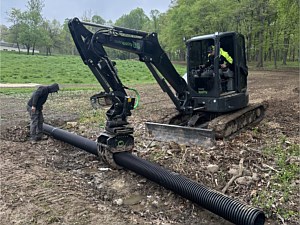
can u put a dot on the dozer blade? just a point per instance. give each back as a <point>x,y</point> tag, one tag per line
<point>181,134</point>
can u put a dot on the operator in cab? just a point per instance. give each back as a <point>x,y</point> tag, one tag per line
<point>225,58</point>
<point>225,62</point>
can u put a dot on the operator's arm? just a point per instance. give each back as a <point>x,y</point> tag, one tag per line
<point>227,58</point>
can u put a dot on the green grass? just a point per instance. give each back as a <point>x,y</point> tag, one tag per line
<point>93,117</point>
<point>65,69</point>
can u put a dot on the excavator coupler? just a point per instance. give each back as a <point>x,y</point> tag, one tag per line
<point>109,144</point>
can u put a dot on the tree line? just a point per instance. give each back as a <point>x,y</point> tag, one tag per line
<point>270,27</point>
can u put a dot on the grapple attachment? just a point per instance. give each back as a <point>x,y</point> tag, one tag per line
<point>100,100</point>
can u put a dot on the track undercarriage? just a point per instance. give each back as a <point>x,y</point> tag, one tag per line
<point>204,128</point>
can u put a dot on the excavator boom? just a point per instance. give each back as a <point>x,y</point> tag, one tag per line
<point>145,45</point>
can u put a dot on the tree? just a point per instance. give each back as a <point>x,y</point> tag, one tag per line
<point>270,27</point>
<point>15,16</point>
<point>4,33</point>
<point>136,19</point>
<point>288,22</point>
<point>98,19</point>
<point>33,19</point>
<point>51,33</point>
<point>154,15</point>
<point>66,42</point>
<point>26,27</point>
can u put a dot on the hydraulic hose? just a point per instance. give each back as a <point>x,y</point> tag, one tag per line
<point>230,209</point>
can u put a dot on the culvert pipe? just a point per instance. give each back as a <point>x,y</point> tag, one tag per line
<point>72,139</point>
<point>218,203</point>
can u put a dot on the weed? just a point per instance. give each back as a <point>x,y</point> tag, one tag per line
<point>281,190</point>
<point>93,117</point>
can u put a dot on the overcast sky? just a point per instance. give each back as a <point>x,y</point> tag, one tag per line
<point>107,9</point>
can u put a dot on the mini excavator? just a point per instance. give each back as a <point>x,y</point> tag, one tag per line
<point>209,105</point>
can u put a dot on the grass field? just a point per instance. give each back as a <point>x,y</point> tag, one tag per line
<point>66,69</point>
<point>71,73</point>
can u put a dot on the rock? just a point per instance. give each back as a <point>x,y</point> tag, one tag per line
<point>133,199</point>
<point>255,177</point>
<point>169,152</point>
<point>118,201</point>
<point>155,203</point>
<point>153,144</point>
<point>212,168</point>
<point>174,145</point>
<point>72,124</point>
<point>164,148</point>
<point>82,128</point>
<point>233,171</point>
<point>247,172</point>
<point>246,180</point>
<point>294,160</point>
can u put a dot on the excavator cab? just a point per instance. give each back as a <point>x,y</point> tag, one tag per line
<point>206,77</point>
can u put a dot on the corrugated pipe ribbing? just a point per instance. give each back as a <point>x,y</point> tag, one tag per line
<point>230,209</point>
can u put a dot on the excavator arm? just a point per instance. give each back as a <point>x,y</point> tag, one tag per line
<point>117,136</point>
<point>91,48</point>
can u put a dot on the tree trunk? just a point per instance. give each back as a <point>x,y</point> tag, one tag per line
<point>248,41</point>
<point>270,54</point>
<point>48,51</point>
<point>260,50</point>
<point>293,55</point>
<point>261,38</point>
<point>285,48</point>
<point>28,48</point>
<point>275,57</point>
<point>18,47</point>
<point>33,49</point>
<point>182,55</point>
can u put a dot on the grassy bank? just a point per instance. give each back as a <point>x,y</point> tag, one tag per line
<point>65,69</point>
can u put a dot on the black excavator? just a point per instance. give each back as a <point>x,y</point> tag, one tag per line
<point>210,104</point>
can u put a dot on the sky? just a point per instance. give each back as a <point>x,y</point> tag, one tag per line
<point>107,9</point>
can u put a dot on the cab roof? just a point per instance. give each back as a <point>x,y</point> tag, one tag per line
<point>212,36</point>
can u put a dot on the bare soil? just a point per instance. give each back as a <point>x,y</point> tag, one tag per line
<point>54,183</point>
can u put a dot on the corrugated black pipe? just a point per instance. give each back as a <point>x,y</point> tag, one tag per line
<point>72,139</point>
<point>230,209</point>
